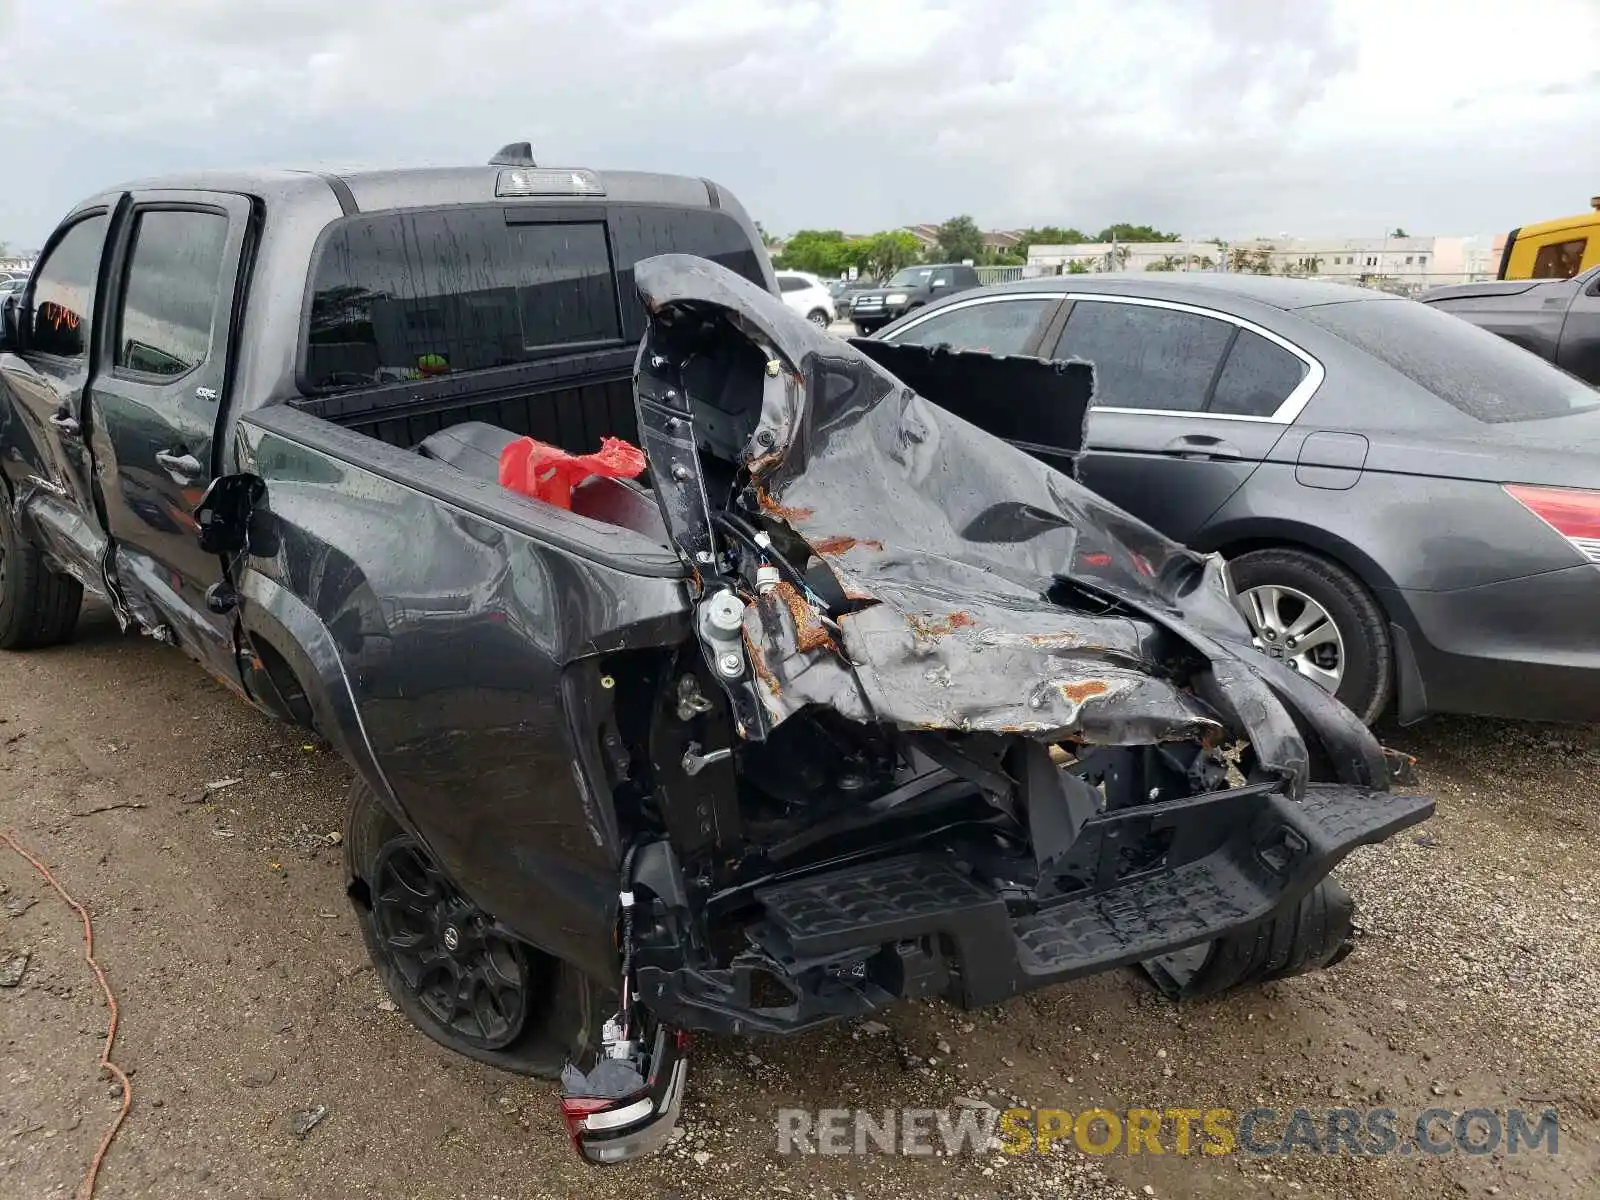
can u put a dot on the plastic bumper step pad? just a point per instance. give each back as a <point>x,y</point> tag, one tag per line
<point>1271,860</point>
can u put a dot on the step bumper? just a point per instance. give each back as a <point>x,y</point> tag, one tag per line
<point>844,942</point>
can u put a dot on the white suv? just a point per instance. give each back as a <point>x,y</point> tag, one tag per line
<point>808,296</point>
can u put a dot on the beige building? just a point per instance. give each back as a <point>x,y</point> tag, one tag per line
<point>1401,263</point>
<point>1078,258</point>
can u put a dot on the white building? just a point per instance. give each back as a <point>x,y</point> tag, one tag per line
<point>1122,256</point>
<point>1407,264</point>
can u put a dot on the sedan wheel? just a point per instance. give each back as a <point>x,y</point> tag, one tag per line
<point>1318,620</point>
<point>818,318</point>
<point>1297,631</point>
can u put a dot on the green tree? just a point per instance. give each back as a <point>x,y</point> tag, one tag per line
<point>886,252</point>
<point>1246,261</point>
<point>1399,232</point>
<point>960,238</point>
<point>1133,233</point>
<point>1079,266</point>
<point>819,251</point>
<point>1167,262</point>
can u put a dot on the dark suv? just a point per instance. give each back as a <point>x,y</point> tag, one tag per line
<point>910,288</point>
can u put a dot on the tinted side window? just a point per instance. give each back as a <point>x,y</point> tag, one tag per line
<point>1561,260</point>
<point>792,283</point>
<point>998,327</point>
<point>1157,358</point>
<point>170,300</point>
<point>1257,378</point>
<point>427,293</point>
<point>63,291</point>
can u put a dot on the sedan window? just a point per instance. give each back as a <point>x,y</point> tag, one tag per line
<point>1257,378</point>
<point>995,327</point>
<point>1146,357</point>
<point>1471,369</point>
<point>792,283</point>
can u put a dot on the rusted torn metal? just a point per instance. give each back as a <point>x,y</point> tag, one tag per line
<point>772,507</point>
<point>810,633</point>
<point>831,546</point>
<point>979,589</point>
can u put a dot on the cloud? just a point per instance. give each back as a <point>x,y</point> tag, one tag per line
<point>1204,116</point>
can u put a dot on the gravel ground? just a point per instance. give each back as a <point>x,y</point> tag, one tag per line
<point>246,999</point>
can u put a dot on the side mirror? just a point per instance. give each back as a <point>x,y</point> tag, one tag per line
<point>10,321</point>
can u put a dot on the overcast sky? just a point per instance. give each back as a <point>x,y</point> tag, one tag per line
<point>1205,117</point>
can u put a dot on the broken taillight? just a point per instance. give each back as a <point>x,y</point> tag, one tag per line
<point>1574,513</point>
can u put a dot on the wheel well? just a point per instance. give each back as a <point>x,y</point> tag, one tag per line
<point>1233,549</point>
<point>291,700</point>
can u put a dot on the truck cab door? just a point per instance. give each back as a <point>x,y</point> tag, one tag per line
<point>42,448</point>
<point>156,401</point>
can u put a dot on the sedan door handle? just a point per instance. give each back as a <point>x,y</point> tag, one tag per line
<point>1201,445</point>
<point>65,422</point>
<point>184,468</point>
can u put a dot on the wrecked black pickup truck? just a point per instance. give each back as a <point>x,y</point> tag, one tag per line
<point>843,701</point>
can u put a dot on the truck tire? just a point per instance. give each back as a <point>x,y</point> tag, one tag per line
<point>38,607</point>
<point>539,1012</point>
<point>1314,933</point>
<point>1279,584</point>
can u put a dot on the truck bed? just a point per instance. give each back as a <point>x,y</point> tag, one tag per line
<point>541,400</point>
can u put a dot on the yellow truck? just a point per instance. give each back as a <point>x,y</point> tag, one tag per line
<point>1557,249</point>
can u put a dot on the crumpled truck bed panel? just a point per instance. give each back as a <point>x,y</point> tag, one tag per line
<point>950,544</point>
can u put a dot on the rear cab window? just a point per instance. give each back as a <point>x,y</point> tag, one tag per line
<point>408,295</point>
<point>1474,371</point>
<point>418,293</point>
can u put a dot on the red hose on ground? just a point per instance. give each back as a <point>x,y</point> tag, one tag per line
<point>86,1190</point>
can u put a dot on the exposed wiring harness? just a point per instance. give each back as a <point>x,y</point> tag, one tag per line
<point>625,901</point>
<point>761,546</point>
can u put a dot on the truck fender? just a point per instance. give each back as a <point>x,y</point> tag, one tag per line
<point>273,615</point>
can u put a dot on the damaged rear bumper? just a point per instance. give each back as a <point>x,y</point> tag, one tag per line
<point>842,942</point>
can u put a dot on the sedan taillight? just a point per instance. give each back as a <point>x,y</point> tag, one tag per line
<point>1574,513</point>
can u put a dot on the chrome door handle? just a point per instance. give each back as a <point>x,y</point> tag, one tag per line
<point>1201,445</point>
<point>184,468</point>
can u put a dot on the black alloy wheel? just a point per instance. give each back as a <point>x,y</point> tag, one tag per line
<point>460,968</point>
